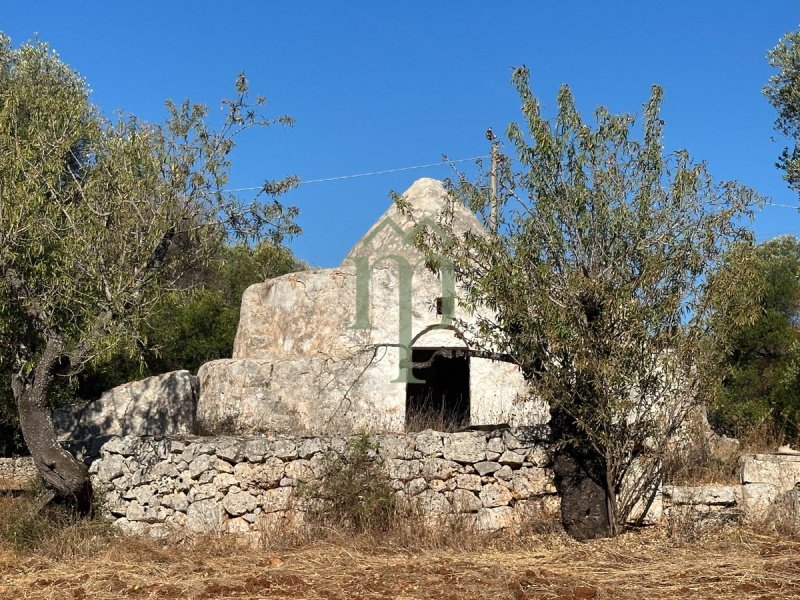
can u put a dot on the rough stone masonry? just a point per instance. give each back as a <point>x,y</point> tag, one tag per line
<point>155,486</point>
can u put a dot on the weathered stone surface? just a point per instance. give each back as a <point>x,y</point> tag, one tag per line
<point>781,471</point>
<point>487,467</point>
<point>311,446</point>
<point>511,458</point>
<point>210,485</point>
<point>403,470</point>
<point>723,495</point>
<point>438,468</point>
<point>267,474</point>
<point>160,405</point>
<point>467,447</point>
<point>205,516</point>
<point>239,503</point>
<point>18,474</point>
<point>201,464</point>
<point>493,519</point>
<point>299,365</point>
<point>429,443</point>
<point>469,482</point>
<point>300,470</point>
<point>465,501</point>
<point>532,481</point>
<point>276,499</point>
<point>429,502</point>
<point>494,494</point>
<point>111,468</point>
<point>757,498</point>
<point>177,501</point>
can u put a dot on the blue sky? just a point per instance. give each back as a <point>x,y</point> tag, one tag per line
<point>376,86</point>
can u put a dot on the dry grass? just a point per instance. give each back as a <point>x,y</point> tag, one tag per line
<point>81,562</point>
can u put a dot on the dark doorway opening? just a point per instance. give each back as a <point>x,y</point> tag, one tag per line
<point>442,401</point>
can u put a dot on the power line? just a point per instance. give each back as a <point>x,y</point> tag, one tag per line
<point>383,172</point>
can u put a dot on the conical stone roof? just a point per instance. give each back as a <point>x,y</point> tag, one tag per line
<point>393,233</point>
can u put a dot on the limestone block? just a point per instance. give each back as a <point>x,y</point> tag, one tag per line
<point>495,444</point>
<point>146,514</point>
<point>487,467</point>
<point>415,486</point>
<point>237,526</point>
<point>201,464</point>
<point>267,474</point>
<point>494,494</point>
<point>466,447</point>
<point>757,498</point>
<point>276,499</point>
<point>229,449</point>
<point>177,501</point>
<point>225,481</point>
<point>239,503</point>
<point>255,449</point>
<point>468,482</point>
<point>430,502</point>
<point>403,470</point>
<point>160,405</point>
<point>205,516</point>
<point>465,501</point>
<point>722,495</point>
<point>504,473</point>
<point>429,442</point>
<point>782,471</point>
<point>438,468</point>
<point>532,481</point>
<point>511,458</point>
<point>397,447</point>
<point>300,470</point>
<point>284,448</point>
<point>493,519</point>
<point>111,467</point>
<point>311,446</point>
<point>163,469</point>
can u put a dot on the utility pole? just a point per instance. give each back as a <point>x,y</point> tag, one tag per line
<point>493,220</point>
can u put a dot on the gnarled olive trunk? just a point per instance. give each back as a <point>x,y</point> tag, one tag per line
<point>61,471</point>
<point>588,504</point>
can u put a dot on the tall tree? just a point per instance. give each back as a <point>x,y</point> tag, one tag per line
<point>760,388</point>
<point>783,91</point>
<point>595,283</point>
<point>99,220</point>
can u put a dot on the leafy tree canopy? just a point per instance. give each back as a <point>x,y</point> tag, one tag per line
<point>100,221</point>
<point>597,282</point>
<point>783,92</point>
<point>760,391</point>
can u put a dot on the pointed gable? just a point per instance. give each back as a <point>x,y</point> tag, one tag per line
<point>393,233</point>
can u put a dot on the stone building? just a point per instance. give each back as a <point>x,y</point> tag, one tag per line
<point>373,344</point>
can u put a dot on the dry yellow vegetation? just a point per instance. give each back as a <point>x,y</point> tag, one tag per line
<point>85,561</point>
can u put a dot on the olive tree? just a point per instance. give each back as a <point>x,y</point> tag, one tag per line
<point>595,283</point>
<point>783,92</point>
<point>99,220</point>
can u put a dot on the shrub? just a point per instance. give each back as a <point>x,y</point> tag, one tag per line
<point>353,492</point>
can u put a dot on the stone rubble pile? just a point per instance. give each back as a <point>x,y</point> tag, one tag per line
<point>246,484</point>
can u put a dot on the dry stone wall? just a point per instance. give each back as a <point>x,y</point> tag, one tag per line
<point>18,474</point>
<point>493,479</point>
<point>769,487</point>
